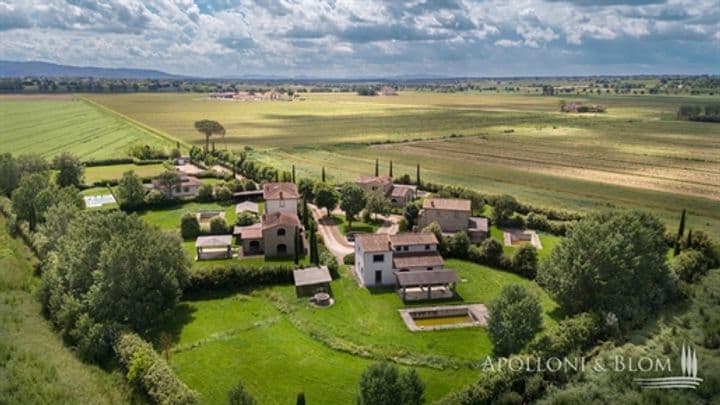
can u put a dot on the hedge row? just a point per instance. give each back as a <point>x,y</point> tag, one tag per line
<point>15,227</point>
<point>238,276</point>
<point>150,373</point>
<point>121,161</point>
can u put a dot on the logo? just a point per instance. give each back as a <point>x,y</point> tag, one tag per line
<point>689,378</point>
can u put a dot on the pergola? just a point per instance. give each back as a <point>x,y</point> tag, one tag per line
<point>418,285</point>
<point>213,247</point>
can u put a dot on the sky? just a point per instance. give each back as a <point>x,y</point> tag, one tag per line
<point>368,38</point>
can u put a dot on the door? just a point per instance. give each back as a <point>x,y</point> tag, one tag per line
<point>378,276</point>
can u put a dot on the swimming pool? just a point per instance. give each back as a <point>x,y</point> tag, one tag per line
<point>95,201</point>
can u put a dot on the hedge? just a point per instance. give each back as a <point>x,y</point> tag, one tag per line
<point>109,162</point>
<point>238,276</point>
<point>150,373</point>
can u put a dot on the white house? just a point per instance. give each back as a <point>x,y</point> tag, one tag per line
<point>280,197</point>
<point>379,256</point>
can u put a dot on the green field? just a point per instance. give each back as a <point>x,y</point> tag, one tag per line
<point>115,172</point>
<point>48,125</point>
<point>35,366</point>
<point>637,155</point>
<point>259,335</point>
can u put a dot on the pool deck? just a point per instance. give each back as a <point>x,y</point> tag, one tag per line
<point>478,312</point>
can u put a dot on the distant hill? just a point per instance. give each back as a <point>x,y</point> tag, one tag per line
<point>35,69</point>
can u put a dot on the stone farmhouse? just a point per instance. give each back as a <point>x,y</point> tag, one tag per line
<point>384,260</point>
<point>276,234</point>
<point>398,194</point>
<point>453,215</point>
<point>188,187</point>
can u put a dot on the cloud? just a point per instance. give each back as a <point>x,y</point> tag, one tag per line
<point>372,37</point>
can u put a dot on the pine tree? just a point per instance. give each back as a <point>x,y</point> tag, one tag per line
<point>390,173</point>
<point>323,174</point>
<point>377,168</point>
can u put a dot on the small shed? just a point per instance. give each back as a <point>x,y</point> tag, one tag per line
<point>213,247</point>
<point>426,284</point>
<point>312,280</point>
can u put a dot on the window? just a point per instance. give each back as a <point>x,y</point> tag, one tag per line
<point>281,232</point>
<point>406,248</point>
<point>429,268</point>
<point>378,276</point>
<point>427,247</point>
<point>378,258</point>
<point>186,189</point>
<point>398,248</point>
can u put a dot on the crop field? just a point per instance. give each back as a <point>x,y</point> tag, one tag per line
<point>49,125</point>
<point>637,155</point>
<point>115,172</point>
<point>218,337</point>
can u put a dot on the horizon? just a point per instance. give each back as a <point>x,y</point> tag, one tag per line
<point>380,39</point>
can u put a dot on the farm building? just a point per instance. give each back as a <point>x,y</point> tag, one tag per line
<point>213,247</point>
<point>311,281</point>
<point>188,187</point>
<point>398,194</point>
<point>453,215</point>
<point>280,197</point>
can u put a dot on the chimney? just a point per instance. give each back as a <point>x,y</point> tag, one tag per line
<point>281,195</point>
<point>432,203</point>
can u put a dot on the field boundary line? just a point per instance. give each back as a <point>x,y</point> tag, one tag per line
<point>133,122</point>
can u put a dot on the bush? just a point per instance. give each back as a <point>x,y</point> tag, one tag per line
<point>515,318</point>
<point>571,335</point>
<point>240,396</point>
<point>155,198</point>
<point>150,373</point>
<point>327,259</point>
<point>205,193</point>
<point>245,218</point>
<point>689,265</point>
<point>349,259</point>
<point>458,245</point>
<point>525,261</point>
<point>233,277</point>
<point>218,226</point>
<point>223,194</point>
<point>108,162</point>
<point>189,226</point>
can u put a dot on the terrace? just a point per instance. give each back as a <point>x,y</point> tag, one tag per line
<point>426,285</point>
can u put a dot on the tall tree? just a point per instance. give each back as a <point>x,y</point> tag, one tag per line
<point>325,197</point>
<point>298,246</point>
<point>32,163</point>
<point>130,191</point>
<point>293,174</point>
<point>314,254</point>
<point>379,385</point>
<point>305,214</point>
<point>168,180</point>
<point>209,128</point>
<point>681,231</point>
<point>70,170</point>
<point>390,169</point>
<point>516,318</point>
<point>412,389</point>
<point>417,176</point>
<point>377,167</point>
<point>323,175</point>
<point>9,174</point>
<point>352,199</point>
<point>377,203</point>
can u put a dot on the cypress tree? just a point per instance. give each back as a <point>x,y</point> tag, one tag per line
<point>417,175</point>
<point>689,239</point>
<point>390,173</point>
<point>293,173</point>
<point>298,244</point>
<point>300,399</point>
<point>314,257</point>
<point>377,168</point>
<point>305,214</point>
<point>277,176</point>
<point>681,228</point>
<point>323,174</point>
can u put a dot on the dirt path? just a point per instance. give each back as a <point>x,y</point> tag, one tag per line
<point>389,225</point>
<point>333,238</point>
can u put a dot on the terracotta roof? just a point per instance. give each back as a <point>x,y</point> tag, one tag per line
<point>279,218</point>
<point>411,260</point>
<point>213,241</point>
<point>374,179</point>
<point>253,231</point>
<point>402,239</point>
<point>190,181</point>
<point>279,191</point>
<point>432,277</point>
<point>478,224</point>
<point>400,191</point>
<point>311,276</point>
<point>450,204</point>
<point>373,242</point>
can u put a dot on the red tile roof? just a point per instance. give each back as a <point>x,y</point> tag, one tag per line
<point>373,179</point>
<point>402,239</point>
<point>417,260</point>
<point>373,242</point>
<point>278,219</point>
<point>450,204</point>
<point>279,191</point>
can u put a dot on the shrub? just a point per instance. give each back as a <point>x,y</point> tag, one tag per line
<point>155,198</point>
<point>239,396</point>
<point>349,259</point>
<point>458,245</point>
<point>205,193</point>
<point>492,251</point>
<point>218,226</point>
<point>223,194</point>
<point>385,384</point>
<point>189,226</point>
<point>245,218</point>
<point>571,335</point>
<point>689,265</point>
<point>150,372</point>
<point>233,276</point>
<point>525,260</point>
<point>327,259</point>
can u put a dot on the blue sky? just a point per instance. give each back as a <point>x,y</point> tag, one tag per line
<point>351,38</point>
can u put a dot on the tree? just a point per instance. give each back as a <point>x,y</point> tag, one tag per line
<point>325,197</point>
<point>377,203</point>
<point>689,265</point>
<point>305,188</point>
<point>209,128</point>
<point>459,245</point>
<point>435,228</point>
<point>70,170</point>
<point>417,176</point>
<point>298,247</point>
<point>515,318</point>
<point>491,252</point>
<point>218,226</point>
<point>379,385</point>
<point>390,169</point>
<point>168,180</point>
<point>57,220</point>
<point>610,262</point>
<point>377,167</point>
<point>411,213</point>
<point>130,191</point>
<point>112,272</point>
<point>681,231</point>
<point>223,194</point>
<point>35,195</point>
<point>189,226</point>
<point>323,174</point>
<point>240,396</point>
<point>503,208</point>
<point>31,163</point>
<point>525,261</point>
<point>412,389</point>
<point>9,174</point>
<point>293,173</point>
<point>314,255</point>
<point>305,214</point>
<point>352,199</point>
<point>245,218</point>
<point>300,400</point>
<point>205,193</point>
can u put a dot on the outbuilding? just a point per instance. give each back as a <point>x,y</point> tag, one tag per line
<point>312,280</point>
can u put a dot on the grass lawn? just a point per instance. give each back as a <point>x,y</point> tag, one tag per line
<point>35,365</point>
<point>357,226</point>
<point>53,124</point>
<point>115,172</point>
<point>263,335</point>
<point>548,242</point>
